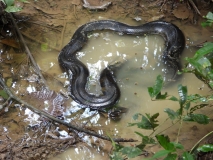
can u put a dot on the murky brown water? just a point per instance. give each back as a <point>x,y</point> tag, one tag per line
<point>137,62</point>
<point>140,65</point>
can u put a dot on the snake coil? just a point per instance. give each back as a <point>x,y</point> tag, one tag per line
<point>78,72</point>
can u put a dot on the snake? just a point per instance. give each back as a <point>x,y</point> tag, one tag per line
<point>78,73</point>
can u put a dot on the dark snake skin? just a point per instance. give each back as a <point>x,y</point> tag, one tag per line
<point>78,72</point>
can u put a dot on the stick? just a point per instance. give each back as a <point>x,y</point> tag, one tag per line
<point>42,113</point>
<point>194,6</point>
<point>27,50</point>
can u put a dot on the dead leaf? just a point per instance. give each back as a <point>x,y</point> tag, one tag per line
<point>10,42</point>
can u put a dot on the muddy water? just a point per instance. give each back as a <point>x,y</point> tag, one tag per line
<point>136,61</point>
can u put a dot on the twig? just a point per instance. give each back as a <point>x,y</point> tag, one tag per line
<point>164,2</point>
<point>194,6</point>
<point>62,32</point>
<point>75,12</point>
<point>27,50</point>
<point>181,124</point>
<point>200,141</point>
<point>40,112</point>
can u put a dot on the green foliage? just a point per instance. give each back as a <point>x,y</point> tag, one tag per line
<point>209,20</point>
<point>155,91</point>
<point>150,122</point>
<point>145,140</point>
<point>147,121</point>
<point>201,66</point>
<point>205,148</point>
<point>184,101</point>
<point>11,7</point>
<point>4,94</point>
<point>169,148</point>
<point>187,156</point>
<point>131,152</point>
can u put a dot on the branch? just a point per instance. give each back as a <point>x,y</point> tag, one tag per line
<point>40,112</point>
<point>195,7</point>
<point>27,50</point>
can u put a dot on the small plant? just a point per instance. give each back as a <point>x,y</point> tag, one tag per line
<point>10,5</point>
<point>201,66</point>
<point>209,20</point>
<point>150,122</point>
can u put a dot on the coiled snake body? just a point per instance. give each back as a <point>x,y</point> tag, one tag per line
<point>78,72</point>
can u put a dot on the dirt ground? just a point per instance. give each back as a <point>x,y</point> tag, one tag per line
<point>44,25</point>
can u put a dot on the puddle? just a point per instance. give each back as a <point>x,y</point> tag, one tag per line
<point>135,60</point>
<point>137,63</point>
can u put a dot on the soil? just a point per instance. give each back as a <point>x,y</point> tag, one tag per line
<point>47,26</point>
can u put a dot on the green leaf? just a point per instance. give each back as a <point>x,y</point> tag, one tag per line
<point>211,84</point>
<point>155,90</point>
<point>187,156</point>
<point>4,94</point>
<point>153,120</point>
<point>141,146</point>
<point>9,82</point>
<point>207,48</point>
<point>135,116</point>
<point>209,15</point>
<point>204,62</point>
<point>147,122</point>
<point>9,2</point>
<point>196,98</point>
<point>161,96</point>
<point>131,152</point>
<point>173,98</point>
<point>177,145</point>
<point>24,1</point>
<point>188,118</point>
<point>205,148</point>
<point>199,106</point>
<point>172,114</point>
<point>13,9</point>
<point>44,47</point>
<point>187,106</point>
<point>205,24</point>
<point>116,156</point>
<point>182,91</point>
<point>161,153</point>
<point>165,143</point>
<point>145,139</point>
<point>199,118</point>
<point>171,156</point>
